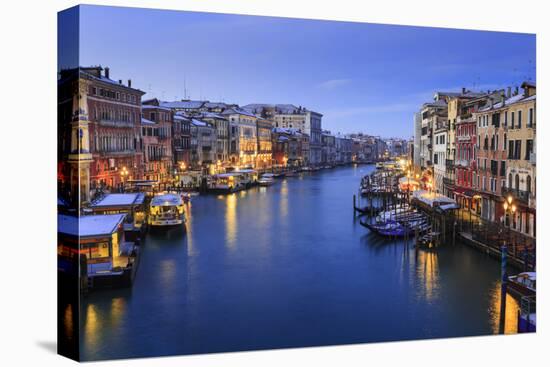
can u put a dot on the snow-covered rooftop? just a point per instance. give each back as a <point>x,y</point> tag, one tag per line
<point>147,122</point>
<point>89,225</point>
<point>147,107</point>
<point>431,198</point>
<point>518,98</point>
<point>120,200</point>
<point>183,104</point>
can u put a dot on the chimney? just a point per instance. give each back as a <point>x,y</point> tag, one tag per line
<point>107,72</point>
<point>120,81</point>
<point>503,97</point>
<point>516,91</point>
<point>509,92</point>
<point>129,83</point>
<point>491,103</point>
<point>463,90</point>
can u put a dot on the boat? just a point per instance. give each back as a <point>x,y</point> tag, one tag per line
<point>523,284</point>
<point>267,179</point>
<point>166,210</point>
<point>226,183</point>
<point>291,174</point>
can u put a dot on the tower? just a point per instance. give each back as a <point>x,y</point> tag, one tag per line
<point>80,157</point>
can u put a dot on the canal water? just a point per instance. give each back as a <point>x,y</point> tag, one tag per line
<point>289,266</point>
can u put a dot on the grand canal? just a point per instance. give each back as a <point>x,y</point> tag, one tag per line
<point>289,266</point>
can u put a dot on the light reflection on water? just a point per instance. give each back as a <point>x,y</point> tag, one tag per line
<point>289,266</point>
<point>512,308</point>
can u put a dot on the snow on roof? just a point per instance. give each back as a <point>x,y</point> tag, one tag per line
<point>199,123</point>
<point>148,106</point>
<point>120,200</point>
<point>183,104</point>
<point>238,111</point>
<point>212,115</point>
<point>166,200</point>
<point>89,225</point>
<point>431,198</point>
<point>147,122</point>
<point>512,100</point>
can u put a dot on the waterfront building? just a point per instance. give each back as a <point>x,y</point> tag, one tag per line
<point>73,141</point>
<point>181,132</point>
<point>203,145</point>
<point>343,149</point>
<point>156,133</point>
<point>113,112</point>
<point>440,153</point>
<point>417,136</point>
<point>294,117</point>
<point>432,113</point>
<point>520,180</point>
<point>221,124</point>
<point>492,156</point>
<point>244,134</point>
<point>328,148</point>
<point>264,158</point>
<point>181,141</point>
<point>288,147</point>
<point>465,157</point>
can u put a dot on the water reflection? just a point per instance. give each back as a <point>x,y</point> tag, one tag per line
<point>427,271</point>
<point>231,225</point>
<point>512,308</point>
<point>92,326</point>
<point>283,203</point>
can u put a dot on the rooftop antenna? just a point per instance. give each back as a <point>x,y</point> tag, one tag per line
<point>184,88</point>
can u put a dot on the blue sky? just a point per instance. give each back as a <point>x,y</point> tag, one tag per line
<point>362,77</point>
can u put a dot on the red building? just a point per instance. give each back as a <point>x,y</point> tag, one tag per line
<point>113,119</point>
<point>465,158</point>
<point>114,111</point>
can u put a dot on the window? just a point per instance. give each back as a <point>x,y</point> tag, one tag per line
<point>519,119</point>
<point>531,117</point>
<point>511,149</point>
<point>505,118</point>
<point>517,182</point>
<point>510,181</point>
<point>513,120</point>
<point>528,149</point>
<point>503,168</point>
<point>505,143</point>
<point>517,153</point>
<point>528,184</point>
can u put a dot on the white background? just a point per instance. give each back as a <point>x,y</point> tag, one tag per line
<point>28,181</point>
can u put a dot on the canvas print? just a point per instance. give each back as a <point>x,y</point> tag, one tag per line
<point>233,183</point>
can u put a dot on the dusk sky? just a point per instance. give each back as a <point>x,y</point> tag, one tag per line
<point>361,77</point>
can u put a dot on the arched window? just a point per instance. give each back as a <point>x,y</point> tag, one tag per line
<point>517,181</point>
<point>510,181</point>
<point>505,142</point>
<point>528,189</point>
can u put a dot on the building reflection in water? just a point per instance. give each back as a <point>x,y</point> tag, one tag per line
<point>231,225</point>
<point>189,229</point>
<point>283,204</point>
<point>68,322</point>
<point>512,308</point>
<point>92,325</point>
<point>427,273</point>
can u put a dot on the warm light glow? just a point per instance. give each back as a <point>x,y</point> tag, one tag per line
<point>505,205</point>
<point>513,208</point>
<point>510,199</point>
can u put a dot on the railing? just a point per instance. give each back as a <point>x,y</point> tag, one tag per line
<point>462,163</point>
<point>116,123</point>
<point>448,181</point>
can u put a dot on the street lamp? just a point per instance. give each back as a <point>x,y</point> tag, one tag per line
<point>123,174</point>
<point>509,210</point>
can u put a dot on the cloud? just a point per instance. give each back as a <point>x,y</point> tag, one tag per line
<point>333,83</point>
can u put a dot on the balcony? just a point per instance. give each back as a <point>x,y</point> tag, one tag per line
<point>463,138</point>
<point>462,163</point>
<point>116,123</point>
<point>519,195</point>
<point>448,182</point>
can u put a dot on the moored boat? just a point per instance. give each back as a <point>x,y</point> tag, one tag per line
<point>267,179</point>
<point>523,284</point>
<point>166,210</point>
